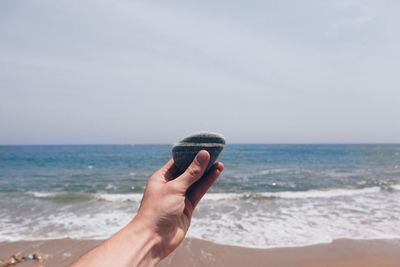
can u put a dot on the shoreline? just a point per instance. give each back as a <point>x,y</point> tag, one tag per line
<point>196,252</point>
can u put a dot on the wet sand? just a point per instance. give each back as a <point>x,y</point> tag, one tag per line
<point>194,252</point>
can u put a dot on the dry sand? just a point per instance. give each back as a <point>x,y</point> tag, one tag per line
<point>193,252</point>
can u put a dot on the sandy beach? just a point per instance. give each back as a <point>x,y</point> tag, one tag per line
<point>194,252</point>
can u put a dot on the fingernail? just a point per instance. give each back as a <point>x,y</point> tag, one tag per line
<point>201,158</point>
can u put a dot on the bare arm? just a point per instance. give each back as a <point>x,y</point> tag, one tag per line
<point>163,218</point>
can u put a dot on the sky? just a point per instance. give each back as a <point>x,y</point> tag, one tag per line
<point>131,72</point>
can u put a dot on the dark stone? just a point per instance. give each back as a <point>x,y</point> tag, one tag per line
<point>185,150</point>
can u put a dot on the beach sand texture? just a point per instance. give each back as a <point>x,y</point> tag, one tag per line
<point>200,253</point>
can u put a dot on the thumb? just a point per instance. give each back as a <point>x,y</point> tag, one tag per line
<point>195,171</point>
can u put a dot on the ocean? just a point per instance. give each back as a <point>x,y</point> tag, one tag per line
<point>268,195</point>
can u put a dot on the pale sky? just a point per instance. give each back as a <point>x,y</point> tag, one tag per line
<point>89,72</point>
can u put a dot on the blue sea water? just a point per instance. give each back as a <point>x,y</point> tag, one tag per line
<point>268,195</point>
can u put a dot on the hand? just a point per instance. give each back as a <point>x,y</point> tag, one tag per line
<point>169,200</point>
<point>162,220</point>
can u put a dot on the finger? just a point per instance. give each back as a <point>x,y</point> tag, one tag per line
<point>198,189</point>
<point>195,171</point>
<point>169,170</point>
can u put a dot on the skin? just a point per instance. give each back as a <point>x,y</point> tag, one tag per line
<point>163,218</point>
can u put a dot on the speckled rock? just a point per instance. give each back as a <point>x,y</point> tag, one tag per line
<point>185,150</point>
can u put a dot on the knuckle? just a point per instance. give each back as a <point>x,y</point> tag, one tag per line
<point>194,171</point>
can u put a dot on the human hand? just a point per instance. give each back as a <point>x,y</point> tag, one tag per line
<point>170,199</point>
<point>162,220</point>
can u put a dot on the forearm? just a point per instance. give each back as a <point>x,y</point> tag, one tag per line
<point>134,245</point>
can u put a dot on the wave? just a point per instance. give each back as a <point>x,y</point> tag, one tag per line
<point>395,187</point>
<point>320,193</point>
<point>272,171</point>
<point>314,172</point>
<point>66,197</point>
<point>136,197</point>
<point>63,196</point>
<point>293,194</point>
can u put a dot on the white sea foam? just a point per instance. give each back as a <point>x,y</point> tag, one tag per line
<point>300,221</point>
<point>43,194</point>
<point>322,193</point>
<point>136,197</point>
<point>294,194</point>
<point>272,171</point>
<point>395,187</point>
<point>314,172</point>
<point>222,196</point>
<point>290,219</point>
<point>62,195</point>
<point>67,224</point>
<point>110,186</point>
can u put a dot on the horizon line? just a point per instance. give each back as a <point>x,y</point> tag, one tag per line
<point>238,143</point>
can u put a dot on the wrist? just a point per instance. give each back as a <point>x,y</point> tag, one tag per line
<point>142,238</point>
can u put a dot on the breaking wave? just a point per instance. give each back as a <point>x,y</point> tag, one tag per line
<point>136,197</point>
